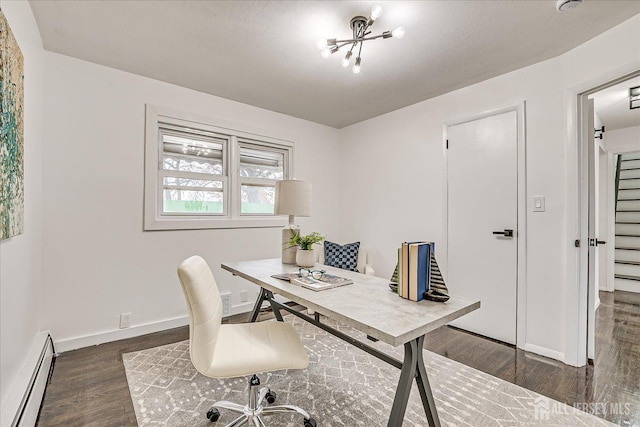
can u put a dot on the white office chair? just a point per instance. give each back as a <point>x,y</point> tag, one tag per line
<point>223,351</point>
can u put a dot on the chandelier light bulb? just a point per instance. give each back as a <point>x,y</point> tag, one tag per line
<point>345,60</point>
<point>326,52</point>
<point>398,32</point>
<point>322,43</point>
<point>356,66</point>
<point>376,12</point>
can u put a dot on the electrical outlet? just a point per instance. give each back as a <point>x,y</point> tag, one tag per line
<point>244,296</point>
<point>125,320</point>
<point>226,303</point>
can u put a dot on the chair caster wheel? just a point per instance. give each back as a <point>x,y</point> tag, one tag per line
<point>270,397</point>
<point>310,423</point>
<point>213,415</point>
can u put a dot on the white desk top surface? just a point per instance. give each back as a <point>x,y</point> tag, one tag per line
<point>367,305</point>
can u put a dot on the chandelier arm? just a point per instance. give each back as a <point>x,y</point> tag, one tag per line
<point>340,44</point>
<point>374,37</point>
<point>347,41</point>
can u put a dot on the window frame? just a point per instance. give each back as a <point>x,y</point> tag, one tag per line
<point>263,182</point>
<point>159,118</point>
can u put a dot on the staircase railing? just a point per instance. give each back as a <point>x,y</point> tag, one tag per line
<point>618,163</point>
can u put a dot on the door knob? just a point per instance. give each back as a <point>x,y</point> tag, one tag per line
<point>505,233</point>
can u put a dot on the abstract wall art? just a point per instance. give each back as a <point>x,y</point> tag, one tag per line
<point>11,133</point>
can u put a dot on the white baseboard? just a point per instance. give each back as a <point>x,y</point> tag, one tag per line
<point>543,351</point>
<point>23,402</point>
<point>245,307</point>
<point>75,343</point>
<point>119,334</point>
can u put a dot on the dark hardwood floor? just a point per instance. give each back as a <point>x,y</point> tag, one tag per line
<point>88,387</point>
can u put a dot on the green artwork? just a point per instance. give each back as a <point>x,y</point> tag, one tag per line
<point>11,134</point>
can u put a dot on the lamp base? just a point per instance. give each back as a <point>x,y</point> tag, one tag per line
<point>289,254</point>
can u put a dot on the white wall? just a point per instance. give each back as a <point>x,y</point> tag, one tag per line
<point>623,140</point>
<point>21,256</point>
<point>392,171</point>
<point>98,261</point>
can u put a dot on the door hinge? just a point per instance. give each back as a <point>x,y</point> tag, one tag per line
<point>447,144</point>
<point>577,243</point>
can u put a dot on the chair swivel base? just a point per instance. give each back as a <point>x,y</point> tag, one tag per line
<point>253,412</point>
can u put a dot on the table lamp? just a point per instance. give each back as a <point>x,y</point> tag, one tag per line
<point>293,198</point>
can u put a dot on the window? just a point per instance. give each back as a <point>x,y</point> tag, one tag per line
<point>200,175</point>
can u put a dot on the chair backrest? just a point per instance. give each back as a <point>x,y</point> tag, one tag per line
<point>205,309</point>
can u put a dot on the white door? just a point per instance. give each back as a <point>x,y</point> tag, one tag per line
<point>482,165</point>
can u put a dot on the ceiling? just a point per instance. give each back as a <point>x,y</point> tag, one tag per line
<point>264,53</point>
<point>612,106</point>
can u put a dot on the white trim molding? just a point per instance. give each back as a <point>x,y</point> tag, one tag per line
<point>74,343</point>
<point>155,117</point>
<point>577,208</point>
<point>546,352</point>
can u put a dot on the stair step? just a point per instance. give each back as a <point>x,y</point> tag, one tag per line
<point>629,229</point>
<point>627,255</point>
<point>629,173</point>
<point>625,277</point>
<point>626,285</point>
<point>629,184</point>
<point>628,242</point>
<point>627,216</point>
<point>628,194</point>
<point>627,269</point>
<point>627,262</point>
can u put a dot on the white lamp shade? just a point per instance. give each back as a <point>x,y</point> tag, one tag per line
<point>293,197</point>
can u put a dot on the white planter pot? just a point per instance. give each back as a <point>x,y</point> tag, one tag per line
<point>305,258</point>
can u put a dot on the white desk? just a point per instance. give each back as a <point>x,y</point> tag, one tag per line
<point>369,306</point>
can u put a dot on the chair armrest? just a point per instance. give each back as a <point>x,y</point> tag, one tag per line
<point>368,270</point>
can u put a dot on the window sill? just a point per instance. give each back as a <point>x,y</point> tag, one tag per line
<point>208,223</point>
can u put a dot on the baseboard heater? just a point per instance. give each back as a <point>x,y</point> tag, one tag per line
<point>27,413</point>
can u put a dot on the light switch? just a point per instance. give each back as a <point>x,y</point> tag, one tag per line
<point>538,203</point>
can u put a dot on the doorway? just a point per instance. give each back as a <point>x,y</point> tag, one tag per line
<point>610,130</point>
<point>484,220</point>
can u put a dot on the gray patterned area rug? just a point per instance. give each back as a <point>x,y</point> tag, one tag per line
<point>343,386</point>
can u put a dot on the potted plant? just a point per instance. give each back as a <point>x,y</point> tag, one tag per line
<point>305,256</point>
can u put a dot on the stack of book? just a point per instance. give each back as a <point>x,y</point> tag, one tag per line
<point>414,269</point>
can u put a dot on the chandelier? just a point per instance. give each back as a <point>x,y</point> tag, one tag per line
<point>360,27</point>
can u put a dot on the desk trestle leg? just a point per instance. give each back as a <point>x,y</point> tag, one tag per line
<point>265,295</point>
<point>413,367</point>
